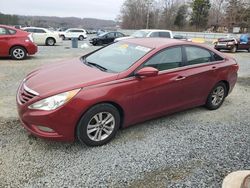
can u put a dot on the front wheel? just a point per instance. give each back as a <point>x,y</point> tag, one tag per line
<point>217,96</point>
<point>98,125</point>
<point>234,49</point>
<point>18,53</point>
<point>248,49</point>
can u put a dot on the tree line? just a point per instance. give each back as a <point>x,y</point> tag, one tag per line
<point>192,15</point>
<point>8,19</point>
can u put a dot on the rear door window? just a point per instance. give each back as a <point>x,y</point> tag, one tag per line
<point>119,35</point>
<point>154,34</point>
<point>111,35</point>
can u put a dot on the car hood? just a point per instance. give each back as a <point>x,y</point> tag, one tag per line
<point>66,76</point>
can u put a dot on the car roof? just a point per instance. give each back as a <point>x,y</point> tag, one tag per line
<point>34,28</point>
<point>75,28</point>
<point>155,42</point>
<point>7,26</point>
<point>155,30</point>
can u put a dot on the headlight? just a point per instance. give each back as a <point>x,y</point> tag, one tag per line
<point>54,102</point>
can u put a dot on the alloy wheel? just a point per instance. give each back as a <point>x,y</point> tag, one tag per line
<point>218,95</point>
<point>18,53</point>
<point>100,126</point>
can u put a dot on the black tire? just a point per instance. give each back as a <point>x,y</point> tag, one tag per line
<point>50,42</point>
<point>18,53</point>
<point>81,37</point>
<point>83,125</point>
<point>234,49</point>
<point>211,104</point>
<point>248,49</point>
<point>63,37</point>
<point>99,43</point>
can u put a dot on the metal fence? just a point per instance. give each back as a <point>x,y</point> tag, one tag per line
<point>202,35</point>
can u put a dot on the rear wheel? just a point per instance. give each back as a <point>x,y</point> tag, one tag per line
<point>50,42</point>
<point>81,37</point>
<point>63,37</point>
<point>18,53</point>
<point>248,49</point>
<point>217,96</point>
<point>98,125</point>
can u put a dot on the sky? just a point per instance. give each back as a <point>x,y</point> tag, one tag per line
<point>102,9</point>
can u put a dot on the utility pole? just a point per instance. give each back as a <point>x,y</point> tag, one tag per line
<point>147,26</point>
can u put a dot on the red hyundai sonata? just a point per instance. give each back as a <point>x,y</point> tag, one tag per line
<point>16,43</point>
<point>122,84</point>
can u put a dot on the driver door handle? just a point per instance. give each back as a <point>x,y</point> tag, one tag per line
<point>180,78</point>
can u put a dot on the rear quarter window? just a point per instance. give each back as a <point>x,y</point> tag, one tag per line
<point>164,34</point>
<point>217,57</point>
<point>197,55</point>
<point>12,32</point>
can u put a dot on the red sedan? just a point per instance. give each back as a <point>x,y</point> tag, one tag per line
<point>16,43</point>
<point>122,84</point>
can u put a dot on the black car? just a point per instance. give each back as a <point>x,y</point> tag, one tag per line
<point>106,38</point>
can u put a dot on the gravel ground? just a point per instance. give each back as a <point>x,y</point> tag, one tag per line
<point>193,148</point>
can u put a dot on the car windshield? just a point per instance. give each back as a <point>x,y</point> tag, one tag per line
<point>140,34</point>
<point>102,34</point>
<point>117,57</point>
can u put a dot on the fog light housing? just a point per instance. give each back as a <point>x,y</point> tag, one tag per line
<point>45,129</point>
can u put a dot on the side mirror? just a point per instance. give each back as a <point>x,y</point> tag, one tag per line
<point>147,72</point>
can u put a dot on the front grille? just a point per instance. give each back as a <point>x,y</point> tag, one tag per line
<point>25,94</point>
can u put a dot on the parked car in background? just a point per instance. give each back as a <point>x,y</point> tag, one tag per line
<point>122,84</point>
<point>233,43</point>
<point>81,34</point>
<point>106,38</point>
<point>43,36</point>
<point>16,43</point>
<point>181,37</point>
<point>146,33</point>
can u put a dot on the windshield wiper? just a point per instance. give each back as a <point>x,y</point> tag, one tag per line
<point>96,65</point>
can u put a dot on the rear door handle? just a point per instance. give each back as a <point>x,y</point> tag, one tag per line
<point>214,67</point>
<point>180,78</point>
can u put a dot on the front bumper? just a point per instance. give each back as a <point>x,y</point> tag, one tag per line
<point>58,125</point>
<point>31,48</point>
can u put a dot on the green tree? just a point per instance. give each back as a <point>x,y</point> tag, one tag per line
<point>200,13</point>
<point>181,17</point>
<point>8,19</point>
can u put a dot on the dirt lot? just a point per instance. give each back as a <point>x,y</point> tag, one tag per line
<point>194,148</point>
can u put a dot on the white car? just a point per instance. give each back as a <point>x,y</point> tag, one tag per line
<point>145,33</point>
<point>43,36</point>
<point>81,34</point>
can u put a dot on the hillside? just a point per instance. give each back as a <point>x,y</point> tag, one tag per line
<point>55,22</point>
